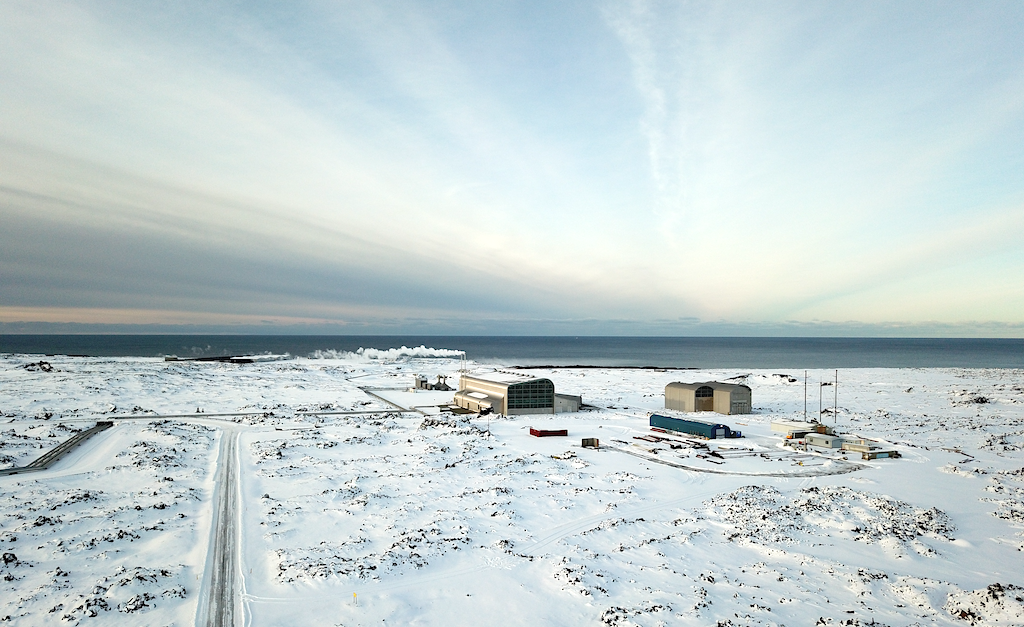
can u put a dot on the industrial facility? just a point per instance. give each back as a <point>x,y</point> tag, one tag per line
<point>421,382</point>
<point>795,429</point>
<point>724,398</point>
<point>812,434</point>
<point>702,428</point>
<point>510,394</point>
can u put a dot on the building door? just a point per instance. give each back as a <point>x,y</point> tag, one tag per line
<point>705,398</point>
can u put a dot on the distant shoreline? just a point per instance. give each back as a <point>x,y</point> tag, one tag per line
<point>558,351</point>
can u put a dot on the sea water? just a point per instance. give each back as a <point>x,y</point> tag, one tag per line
<point>667,352</point>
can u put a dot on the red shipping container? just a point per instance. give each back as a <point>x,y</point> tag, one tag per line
<point>546,433</point>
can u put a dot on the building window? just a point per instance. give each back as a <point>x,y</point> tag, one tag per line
<point>704,391</point>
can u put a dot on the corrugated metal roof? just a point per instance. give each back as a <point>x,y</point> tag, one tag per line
<point>713,384</point>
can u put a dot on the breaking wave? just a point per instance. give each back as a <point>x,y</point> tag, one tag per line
<point>386,353</point>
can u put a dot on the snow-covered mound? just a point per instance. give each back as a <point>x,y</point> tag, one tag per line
<point>994,605</point>
<point>764,514</point>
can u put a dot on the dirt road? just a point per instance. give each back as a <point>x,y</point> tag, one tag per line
<point>220,599</point>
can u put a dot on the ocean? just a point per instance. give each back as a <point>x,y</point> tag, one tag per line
<point>668,352</point>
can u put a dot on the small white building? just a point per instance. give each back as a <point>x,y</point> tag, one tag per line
<point>824,440</point>
<point>798,428</point>
<point>567,403</point>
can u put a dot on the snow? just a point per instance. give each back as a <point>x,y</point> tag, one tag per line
<point>500,376</point>
<point>427,518</point>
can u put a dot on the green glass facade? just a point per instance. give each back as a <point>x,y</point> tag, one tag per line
<point>536,394</point>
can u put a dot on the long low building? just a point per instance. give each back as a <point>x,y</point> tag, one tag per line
<point>506,393</point>
<point>724,398</point>
<point>702,428</point>
<point>799,428</point>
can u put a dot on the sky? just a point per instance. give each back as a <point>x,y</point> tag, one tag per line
<point>619,168</point>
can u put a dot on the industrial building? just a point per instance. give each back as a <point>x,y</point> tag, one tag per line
<point>567,403</point>
<point>798,428</point>
<point>724,398</point>
<point>420,382</point>
<point>505,393</point>
<point>869,449</point>
<point>824,440</point>
<point>710,430</point>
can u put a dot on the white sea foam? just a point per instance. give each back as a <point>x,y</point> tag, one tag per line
<point>386,354</point>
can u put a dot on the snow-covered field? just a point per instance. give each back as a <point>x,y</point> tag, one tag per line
<point>423,518</point>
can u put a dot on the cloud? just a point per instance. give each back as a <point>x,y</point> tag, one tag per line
<point>363,163</point>
<point>804,156</point>
<point>387,354</point>
<point>200,154</point>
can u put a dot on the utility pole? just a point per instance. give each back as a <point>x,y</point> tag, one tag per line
<point>805,396</point>
<point>835,401</point>
<point>820,384</point>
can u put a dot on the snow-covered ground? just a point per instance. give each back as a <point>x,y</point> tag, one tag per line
<point>424,518</point>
